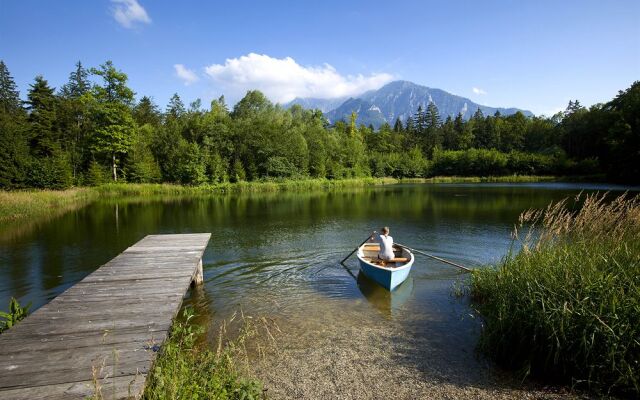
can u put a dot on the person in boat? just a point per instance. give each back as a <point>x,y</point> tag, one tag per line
<point>386,244</point>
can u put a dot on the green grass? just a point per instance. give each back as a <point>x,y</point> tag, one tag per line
<point>187,370</point>
<point>567,306</point>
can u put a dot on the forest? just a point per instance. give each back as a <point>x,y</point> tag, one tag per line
<point>92,130</point>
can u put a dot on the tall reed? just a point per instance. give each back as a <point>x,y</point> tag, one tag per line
<point>567,306</point>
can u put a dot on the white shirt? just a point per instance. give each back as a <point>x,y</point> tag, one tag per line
<point>386,247</point>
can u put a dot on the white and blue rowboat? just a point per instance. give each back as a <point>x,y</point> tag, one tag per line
<point>388,274</point>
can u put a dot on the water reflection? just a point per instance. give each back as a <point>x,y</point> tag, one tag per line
<point>383,300</point>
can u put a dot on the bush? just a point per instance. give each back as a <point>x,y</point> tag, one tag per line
<point>16,314</point>
<point>97,174</point>
<point>568,305</point>
<point>49,173</point>
<point>472,162</point>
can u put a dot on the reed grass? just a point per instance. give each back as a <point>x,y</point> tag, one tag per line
<point>18,205</point>
<point>128,189</point>
<point>567,306</point>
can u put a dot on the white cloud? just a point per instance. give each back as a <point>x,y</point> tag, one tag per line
<point>284,79</point>
<point>478,91</point>
<point>128,12</point>
<point>188,76</point>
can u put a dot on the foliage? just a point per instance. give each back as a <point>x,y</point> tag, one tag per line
<point>94,121</point>
<point>567,306</point>
<point>16,314</point>
<point>186,370</point>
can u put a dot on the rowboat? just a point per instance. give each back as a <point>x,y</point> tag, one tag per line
<point>388,274</point>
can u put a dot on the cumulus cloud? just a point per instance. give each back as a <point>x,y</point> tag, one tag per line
<point>478,91</point>
<point>284,79</point>
<point>128,12</point>
<point>188,76</point>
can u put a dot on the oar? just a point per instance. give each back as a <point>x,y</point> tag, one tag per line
<point>434,257</point>
<point>356,249</point>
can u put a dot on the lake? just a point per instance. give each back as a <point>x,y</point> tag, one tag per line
<point>275,256</point>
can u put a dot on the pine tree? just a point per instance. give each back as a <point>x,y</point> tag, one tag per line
<point>419,121</point>
<point>9,95</point>
<point>42,118</point>
<point>147,112</point>
<point>449,135</point>
<point>432,136</point>
<point>73,118</point>
<point>480,131</point>
<point>14,149</point>
<point>175,108</point>
<point>78,83</point>
<point>397,127</point>
<point>432,117</point>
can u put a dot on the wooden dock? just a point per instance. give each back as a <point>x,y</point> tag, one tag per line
<point>106,330</point>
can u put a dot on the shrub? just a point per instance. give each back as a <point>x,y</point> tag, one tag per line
<point>52,172</point>
<point>185,370</point>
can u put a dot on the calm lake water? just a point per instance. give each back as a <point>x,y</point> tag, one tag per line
<point>277,256</point>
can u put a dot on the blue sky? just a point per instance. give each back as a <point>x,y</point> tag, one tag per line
<point>535,55</point>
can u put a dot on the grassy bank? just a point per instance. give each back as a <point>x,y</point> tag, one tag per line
<point>129,189</point>
<point>19,205</point>
<point>186,370</point>
<point>32,204</point>
<point>567,306</point>
<point>506,179</point>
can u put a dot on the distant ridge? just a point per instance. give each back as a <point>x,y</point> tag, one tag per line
<point>398,99</point>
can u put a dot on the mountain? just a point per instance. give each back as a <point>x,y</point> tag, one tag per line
<point>312,103</point>
<point>367,112</point>
<point>401,99</point>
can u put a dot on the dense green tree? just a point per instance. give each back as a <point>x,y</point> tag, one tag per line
<point>622,156</point>
<point>114,87</point>
<point>111,115</point>
<point>73,119</point>
<point>78,84</point>
<point>41,104</point>
<point>251,104</point>
<point>14,147</point>
<point>9,95</point>
<point>147,112</point>
<point>397,126</point>
<point>175,108</point>
<point>88,132</point>
<point>432,129</point>
<point>142,166</point>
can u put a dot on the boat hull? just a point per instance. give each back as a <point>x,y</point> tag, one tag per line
<point>388,278</point>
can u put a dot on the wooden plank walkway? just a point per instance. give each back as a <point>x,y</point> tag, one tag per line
<point>109,326</point>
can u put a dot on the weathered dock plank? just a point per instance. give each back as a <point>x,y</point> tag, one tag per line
<point>104,332</point>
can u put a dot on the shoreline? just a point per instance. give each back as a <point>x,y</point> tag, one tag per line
<point>22,205</point>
